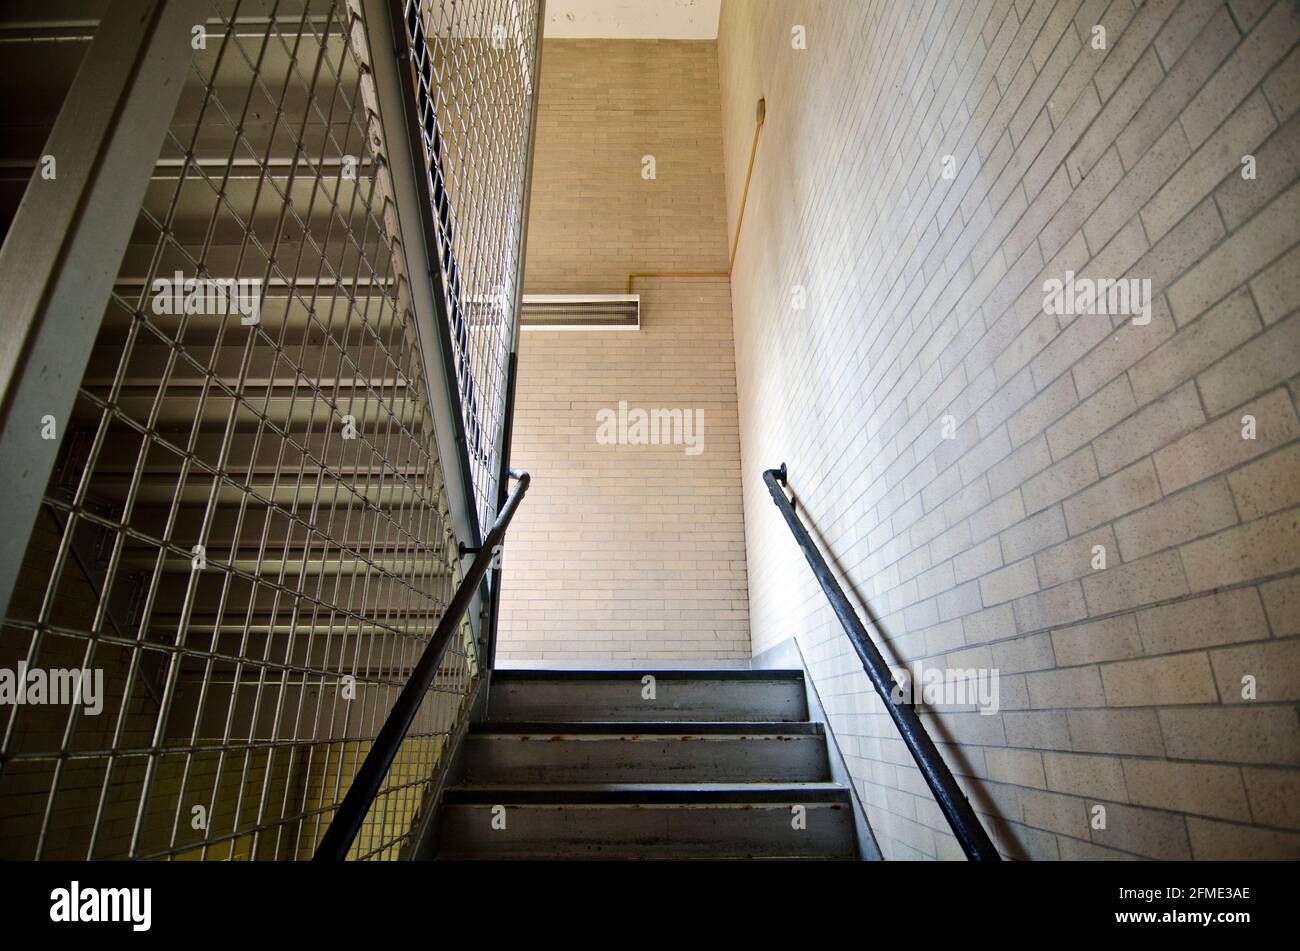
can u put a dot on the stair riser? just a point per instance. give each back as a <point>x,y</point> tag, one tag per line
<point>646,832</point>
<point>615,759</point>
<point>621,699</point>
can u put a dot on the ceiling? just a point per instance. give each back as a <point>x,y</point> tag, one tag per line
<point>633,19</point>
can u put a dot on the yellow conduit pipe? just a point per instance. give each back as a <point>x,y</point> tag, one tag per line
<point>761,114</point>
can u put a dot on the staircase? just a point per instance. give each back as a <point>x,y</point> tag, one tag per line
<point>705,764</point>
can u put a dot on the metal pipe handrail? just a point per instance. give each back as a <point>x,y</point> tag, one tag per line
<point>343,829</point>
<point>952,801</point>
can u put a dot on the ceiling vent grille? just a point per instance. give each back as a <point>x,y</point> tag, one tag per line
<point>581,312</point>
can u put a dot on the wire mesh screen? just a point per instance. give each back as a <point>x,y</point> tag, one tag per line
<point>246,544</point>
<point>472,66</point>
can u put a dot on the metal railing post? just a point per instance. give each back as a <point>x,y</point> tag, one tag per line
<point>414,213</point>
<point>415,209</point>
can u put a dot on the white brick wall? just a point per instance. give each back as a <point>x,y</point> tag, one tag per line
<point>1119,687</point>
<point>628,552</point>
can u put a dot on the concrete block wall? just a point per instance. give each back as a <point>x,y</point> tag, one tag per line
<point>962,453</point>
<point>603,107</point>
<point>627,552</point>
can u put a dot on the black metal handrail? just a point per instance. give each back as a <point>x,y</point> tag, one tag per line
<point>343,829</point>
<point>961,817</point>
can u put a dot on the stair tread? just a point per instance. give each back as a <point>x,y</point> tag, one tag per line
<point>647,793</point>
<point>569,855</point>
<point>521,673</point>
<point>687,696</point>
<point>648,727</point>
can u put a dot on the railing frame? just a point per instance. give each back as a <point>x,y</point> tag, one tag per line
<point>398,112</point>
<point>399,105</point>
<point>966,826</point>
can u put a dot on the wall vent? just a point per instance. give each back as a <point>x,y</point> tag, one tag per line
<point>581,312</point>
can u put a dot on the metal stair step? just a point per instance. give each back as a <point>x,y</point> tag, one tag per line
<point>678,695</point>
<point>644,793</point>
<point>647,821</point>
<point>559,753</point>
